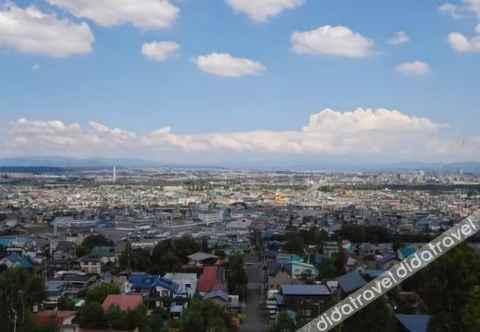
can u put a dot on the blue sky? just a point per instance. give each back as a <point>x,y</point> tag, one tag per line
<point>116,85</point>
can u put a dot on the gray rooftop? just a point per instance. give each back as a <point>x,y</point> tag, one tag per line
<point>317,290</point>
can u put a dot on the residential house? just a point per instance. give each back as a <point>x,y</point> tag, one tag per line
<point>280,279</point>
<point>187,283</point>
<point>15,260</point>
<point>350,282</point>
<point>123,301</point>
<point>104,254</point>
<point>414,323</point>
<point>330,248</point>
<point>202,259</point>
<point>210,280</point>
<point>154,288</point>
<point>90,265</point>
<point>74,281</point>
<point>305,300</point>
<point>222,298</point>
<point>55,290</point>
<point>300,270</point>
<point>62,321</point>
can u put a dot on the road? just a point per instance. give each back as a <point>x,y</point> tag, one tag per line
<point>255,321</point>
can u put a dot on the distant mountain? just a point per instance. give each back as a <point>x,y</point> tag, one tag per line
<point>61,162</point>
<point>70,162</point>
<point>468,167</point>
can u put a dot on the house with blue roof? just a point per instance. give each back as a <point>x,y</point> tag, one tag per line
<point>406,251</point>
<point>151,286</point>
<point>350,282</point>
<point>9,240</point>
<point>17,261</point>
<point>414,323</point>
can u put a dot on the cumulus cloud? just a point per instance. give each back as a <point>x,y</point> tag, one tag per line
<point>463,44</point>
<point>415,68</point>
<point>332,40</point>
<point>30,30</point>
<point>262,10</point>
<point>224,64</point>
<point>160,51</point>
<point>147,14</point>
<point>466,7</point>
<point>379,133</point>
<point>398,38</point>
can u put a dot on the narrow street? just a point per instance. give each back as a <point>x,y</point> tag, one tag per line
<point>256,321</point>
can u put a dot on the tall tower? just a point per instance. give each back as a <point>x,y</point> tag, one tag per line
<point>114,176</point>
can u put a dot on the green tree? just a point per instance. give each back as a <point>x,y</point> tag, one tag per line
<point>100,292</point>
<point>91,316</point>
<point>295,245</point>
<point>206,316</point>
<point>135,259</point>
<point>237,278</point>
<point>376,317</point>
<point>96,240</point>
<point>327,269</point>
<point>471,315</point>
<point>66,303</point>
<point>446,288</point>
<point>20,290</point>
<point>115,318</point>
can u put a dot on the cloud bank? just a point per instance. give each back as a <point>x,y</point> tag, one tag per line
<point>30,30</point>
<point>378,134</point>
<point>146,14</point>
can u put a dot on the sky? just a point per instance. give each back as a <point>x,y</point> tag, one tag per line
<point>237,81</point>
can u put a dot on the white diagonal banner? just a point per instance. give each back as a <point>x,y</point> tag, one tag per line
<point>395,276</point>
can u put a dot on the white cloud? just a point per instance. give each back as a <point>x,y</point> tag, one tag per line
<point>467,7</point>
<point>338,40</point>
<point>147,14</point>
<point>398,38</point>
<point>462,44</point>
<point>30,30</point>
<point>223,64</point>
<point>415,68</point>
<point>450,9</point>
<point>262,10</point>
<point>160,51</point>
<point>379,133</point>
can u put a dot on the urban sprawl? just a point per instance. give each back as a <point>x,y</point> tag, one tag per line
<point>124,249</point>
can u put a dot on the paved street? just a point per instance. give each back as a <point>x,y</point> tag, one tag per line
<point>255,322</point>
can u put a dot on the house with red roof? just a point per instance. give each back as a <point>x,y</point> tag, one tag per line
<point>124,301</point>
<point>60,320</point>
<point>209,280</point>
